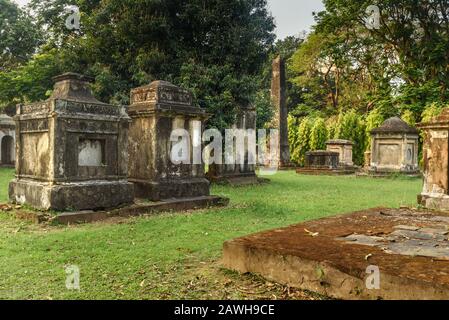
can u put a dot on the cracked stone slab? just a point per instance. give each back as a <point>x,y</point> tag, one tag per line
<point>410,248</point>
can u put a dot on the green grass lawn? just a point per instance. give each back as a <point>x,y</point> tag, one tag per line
<point>176,256</point>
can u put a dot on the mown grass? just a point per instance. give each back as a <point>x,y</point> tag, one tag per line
<point>176,256</point>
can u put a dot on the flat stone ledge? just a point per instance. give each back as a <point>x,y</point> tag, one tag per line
<point>138,209</point>
<point>331,256</point>
<point>373,174</point>
<point>183,204</point>
<point>326,172</point>
<point>240,181</point>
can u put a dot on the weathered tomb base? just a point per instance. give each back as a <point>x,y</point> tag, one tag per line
<point>179,188</point>
<point>238,179</point>
<point>76,196</point>
<point>326,172</point>
<point>387,174</point>
<point>324,163</point>
<point>143,209</point>
<point>331,256</point>
<point>434,201</point>
<point>139,209</point>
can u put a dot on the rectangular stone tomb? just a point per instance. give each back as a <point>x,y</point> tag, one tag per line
<point>72,151</point>
<point>373,254</point>
<point>324,163</point>
<point>158,111</point>
<point>240,172</point>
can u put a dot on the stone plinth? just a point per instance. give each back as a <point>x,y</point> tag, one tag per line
<point>279,100</point>
<point>435,194</point>
<point>394,148</point>
<point>344,150</point>
<point>239,173</point>
<point>7,140</point>
<point>367,156</point>
<point>322,160</point>
<point>335,256</point>
<point>323,163</point>
<point>156,110</point>
<point>71,151</point>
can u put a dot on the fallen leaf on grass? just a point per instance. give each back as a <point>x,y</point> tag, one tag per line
<point>312,234</point>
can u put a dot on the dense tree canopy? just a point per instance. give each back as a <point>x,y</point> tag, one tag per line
<point>19,36</point>
<point>400,64</point>
<point>216,48</point>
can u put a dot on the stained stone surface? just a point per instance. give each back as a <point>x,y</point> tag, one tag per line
<point>238,173</point>
<point>71,151</point>
<point>394,148</point>
<point>7,140</point>
<point>344,149</point>
<point>331,256</point>
<point>156,110</point>
<point>279,99</point>
<point>409,240</point>
<point>324,163</point>
<point>435,193</point>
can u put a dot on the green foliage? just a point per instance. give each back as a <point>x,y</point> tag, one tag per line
<point>331,125</point>
<point>318,135</point>
<point>351,126</point>
<point>373,120</point>
<point>409,117</point>
<point>303,141</point>
<point>141,258</point>
<point>216,49</point>
<point>433,110</point>
<point>399,68</point>
<point>264,108</point>
<point>19,35</point>
<point>29,82</point>
<point>293,127</point>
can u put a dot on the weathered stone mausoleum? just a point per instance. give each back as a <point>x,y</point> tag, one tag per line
<point>71,151</point>
<point>156,110</point>
<point>344,149</point>
<point>244,173</point>
<point>435,194</point>
<point>7,140</point>
<point>394,148</point>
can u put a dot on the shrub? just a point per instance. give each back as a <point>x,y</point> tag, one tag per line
<point>318,135</point>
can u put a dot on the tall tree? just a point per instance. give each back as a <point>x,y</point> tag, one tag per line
<point>19,36</point>
<point>216,48</point>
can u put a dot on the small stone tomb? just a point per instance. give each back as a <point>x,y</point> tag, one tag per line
<point>344,150</point>
<point>324,163</point>
<point>238,173</point>
<point>7,140</point>
<point>394,148</point>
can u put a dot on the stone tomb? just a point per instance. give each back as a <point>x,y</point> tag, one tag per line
<point>344,149</point>
<point>7,140</point>
<point>324,163</point>
<point>435,194</point>
<point>237,174</point>
<point>334,256</point>
<point>394,148</point>
<point>156,110</point>
<point>71,151</point>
